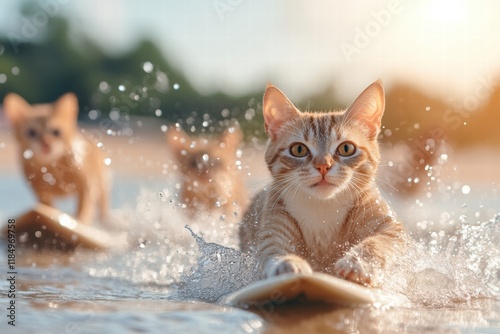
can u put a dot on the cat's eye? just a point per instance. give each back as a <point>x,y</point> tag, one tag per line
<point>346,149</point>
<point>31,133</point>
<point>56,132</point>
<point>299,150</point>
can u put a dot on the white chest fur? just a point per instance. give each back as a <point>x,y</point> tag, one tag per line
<point>319,220</point>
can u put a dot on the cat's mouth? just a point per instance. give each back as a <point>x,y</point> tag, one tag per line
<point>322,183</point>
<point>46,149</point>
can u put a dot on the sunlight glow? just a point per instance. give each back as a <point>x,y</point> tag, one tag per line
<point>446,11</point>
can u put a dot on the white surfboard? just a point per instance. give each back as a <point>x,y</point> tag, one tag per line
<point>46,227</point>
<point>305,287</point>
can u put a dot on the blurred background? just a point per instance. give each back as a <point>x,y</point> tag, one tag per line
<point>439,59</point>
<point>205,64</point>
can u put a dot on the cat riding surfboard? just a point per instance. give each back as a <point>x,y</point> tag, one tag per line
<point>58,160</point>
<point>322,210</point>
<point>315,287</point>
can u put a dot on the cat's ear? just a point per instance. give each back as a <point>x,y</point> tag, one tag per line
<point>177,139</point>
<point>16,108</point>
<point>66,108</point>
<point>368,108</point>
<point>277,110</point>
<point>232,138</point>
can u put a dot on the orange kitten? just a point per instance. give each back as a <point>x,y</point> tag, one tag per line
<point>57,160</point>
<point>210,180</point>
<point>322,211</point>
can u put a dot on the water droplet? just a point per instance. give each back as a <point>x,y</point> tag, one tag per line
<point>442,158</point>
<point>249,114</point>
<point>428,108</point>
<point>147,67</point>
<point>114,115</point>
<point>3,78</point>
<point>205,157</point>
<point>47,177</point>
<point>430,142</point>
<point>176,86</point>
<point>164,128</point>
<point>28,154</point>
<point>15,70</point>
<point>93,114</point>
<point>107,161</point>
<point>465,189</point>
<point>158,112</point>
<point>104,87</point>
<point>122,88</point>
<point>462,218</point>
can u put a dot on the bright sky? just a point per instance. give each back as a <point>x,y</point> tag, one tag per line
<point>446,46</point>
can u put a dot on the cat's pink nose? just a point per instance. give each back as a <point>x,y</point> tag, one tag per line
<point>323,168</point>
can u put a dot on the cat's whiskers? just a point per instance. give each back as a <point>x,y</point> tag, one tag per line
<point>289,182</point>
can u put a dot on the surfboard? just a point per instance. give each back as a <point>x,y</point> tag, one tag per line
<point>315,287</point>
<point>46,227</point>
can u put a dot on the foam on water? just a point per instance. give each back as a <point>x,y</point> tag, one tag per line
<point>450,268</point>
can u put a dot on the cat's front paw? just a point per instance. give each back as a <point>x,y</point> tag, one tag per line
<point>289,264</point>
<point>355,270</point>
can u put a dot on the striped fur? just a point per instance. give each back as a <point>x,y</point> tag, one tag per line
<point>323,212</point>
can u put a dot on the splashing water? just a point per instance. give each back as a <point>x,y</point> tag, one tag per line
<point>171,252</point>
<point>219,271</point>
<point>455,267</point>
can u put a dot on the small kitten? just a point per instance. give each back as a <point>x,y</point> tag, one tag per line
<point>210,180</point>
<point>57,160</point>
<point>322,210</point>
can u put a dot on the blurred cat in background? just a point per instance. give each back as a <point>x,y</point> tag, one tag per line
<point>210,179</point>
<point>57,159</point>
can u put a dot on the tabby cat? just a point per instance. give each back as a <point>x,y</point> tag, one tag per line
<point>210,179</point>
<point>322,210</point>
<point>56,158</point>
